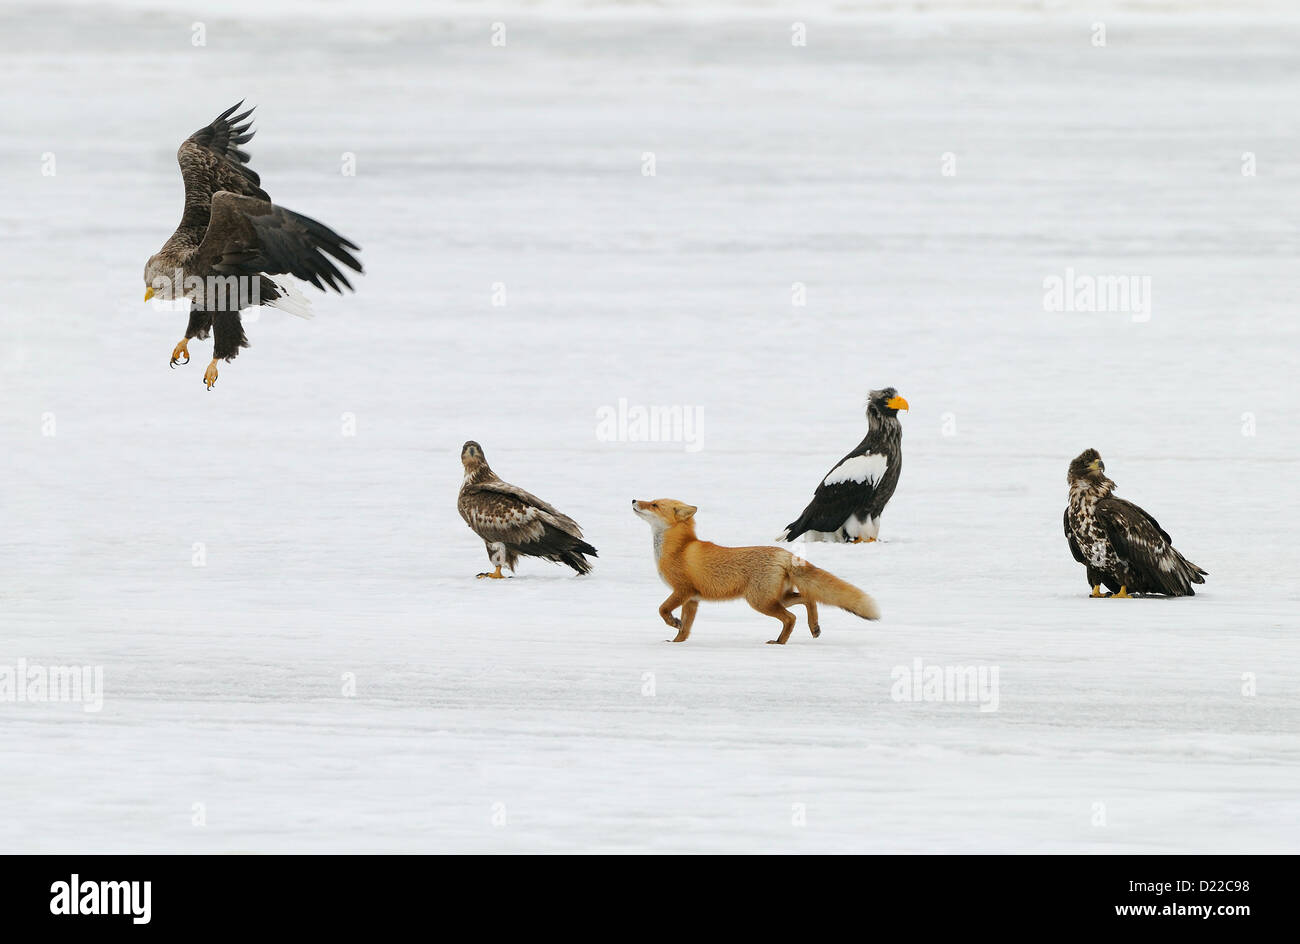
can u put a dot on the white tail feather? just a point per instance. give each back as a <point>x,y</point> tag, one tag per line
<point>292,301</point>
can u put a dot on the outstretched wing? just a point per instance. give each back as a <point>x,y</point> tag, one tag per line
<point>212,160</point>
<point>1069,536</point>
<point>1138,538</point>
<point>249,236</point>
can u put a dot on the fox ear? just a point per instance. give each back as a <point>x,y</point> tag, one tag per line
<point>684,512</point>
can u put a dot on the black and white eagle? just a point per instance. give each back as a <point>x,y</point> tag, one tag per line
<point>513,522</point>
<point>231,239</point>
<point>1121,545</point>
<point>848,503</point>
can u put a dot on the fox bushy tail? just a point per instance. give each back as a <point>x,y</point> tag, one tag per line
<point>824,587</point>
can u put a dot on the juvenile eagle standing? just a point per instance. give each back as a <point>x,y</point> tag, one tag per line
<point>230,239</point>
<point>1121,545</point>
<point>512,522</point>
<point>848,503</point>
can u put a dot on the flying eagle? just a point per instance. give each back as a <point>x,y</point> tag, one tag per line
<point>1121,545</point>
<point>512,522</point>
<point>231,239</point>
<point>850,499</point>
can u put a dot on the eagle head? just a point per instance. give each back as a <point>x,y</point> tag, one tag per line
<point>475,463</point>
<point>1087,465</point>
<point>886,402</point>
<point>159,279</point>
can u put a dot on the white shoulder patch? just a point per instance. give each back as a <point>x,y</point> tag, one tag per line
<point>868,469</point>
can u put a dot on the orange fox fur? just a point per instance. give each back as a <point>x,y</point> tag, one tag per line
<point>769,578</point>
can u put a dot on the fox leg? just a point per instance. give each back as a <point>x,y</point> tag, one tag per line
<point>666,614</point>
<point>688,618</point>
<point>776,610</point>
<point>795,599</point>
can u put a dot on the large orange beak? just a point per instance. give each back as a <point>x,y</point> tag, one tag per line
<point>148,293</point>
<point>898,403</point>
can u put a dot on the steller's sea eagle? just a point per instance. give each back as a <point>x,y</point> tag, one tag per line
<point>1121,545</point>
<point>231,238</point>
<point>848,502</point>
<point>512,522</point>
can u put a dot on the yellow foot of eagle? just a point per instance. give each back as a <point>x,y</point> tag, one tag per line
<point>210,375</point>
<point>1096,592</point>
<point>495,575</point>
<point>178,350</point>
<point>863,541</point>
<point>1122,595</point>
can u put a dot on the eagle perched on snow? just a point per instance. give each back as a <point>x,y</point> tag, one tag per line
<point>512,522</point>
<point>848,503</point>
<point>231,239</point>
<point>1121,545</point>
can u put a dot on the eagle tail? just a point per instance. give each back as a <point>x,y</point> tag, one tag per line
<point>793,530</point>
<point>1193,573</point>
<point>289,299</point>
<point>575,559</point>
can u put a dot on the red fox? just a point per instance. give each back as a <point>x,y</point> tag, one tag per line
<point>769,578</point>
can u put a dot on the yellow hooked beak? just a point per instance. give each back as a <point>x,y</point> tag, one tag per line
<point>898,403</point>
<point>148,293</point>
<point>1095,465</point>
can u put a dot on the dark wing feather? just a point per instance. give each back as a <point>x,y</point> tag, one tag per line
<point>832,505</point>
<point>1138,539</point>
<point>248,236</point>
<point>500,513</point>
<point>211,161</point>
<point>224,135</point>
<point>1069,536</point>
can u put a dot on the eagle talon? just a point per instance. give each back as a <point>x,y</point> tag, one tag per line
<point>178,350</point>
<point>494,575</point>
<point>210,375</point>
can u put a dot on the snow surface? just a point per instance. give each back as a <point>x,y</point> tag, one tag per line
<point>513,715</point>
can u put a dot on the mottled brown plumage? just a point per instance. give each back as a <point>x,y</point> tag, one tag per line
<point>1122,547</point>
<point>513,522</point>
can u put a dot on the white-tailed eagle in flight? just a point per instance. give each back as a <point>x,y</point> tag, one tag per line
<point>232,239</point>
